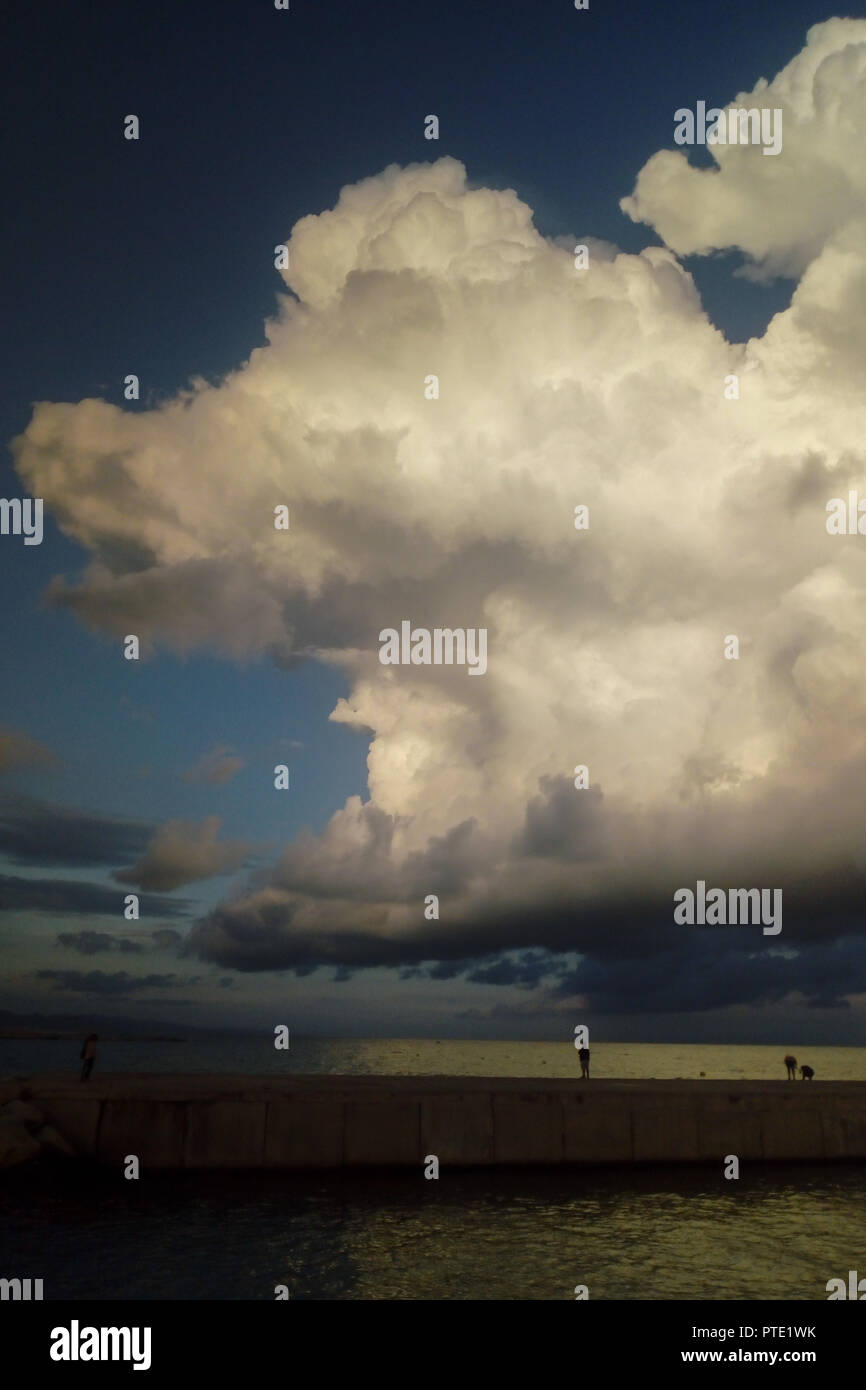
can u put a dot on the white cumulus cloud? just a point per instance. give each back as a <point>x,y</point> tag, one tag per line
<point>558,387</point>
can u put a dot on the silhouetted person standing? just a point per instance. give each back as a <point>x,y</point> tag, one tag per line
<point>88,1055</point>
<point>583,1054</point>
<point>791,1064</point>
<point>806,1073</point>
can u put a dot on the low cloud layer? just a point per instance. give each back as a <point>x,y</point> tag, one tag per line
<point>119,985</point>
<point>182,852</point>
<point>558,387</point>
<point>37,832</point>
<point>91,943</point>
<point>74,898</point>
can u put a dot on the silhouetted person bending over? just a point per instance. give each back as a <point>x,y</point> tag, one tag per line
<point>791,1064</point>
<point>583,1054</point>
<point>806,1073</point>
<point>88,1055</point>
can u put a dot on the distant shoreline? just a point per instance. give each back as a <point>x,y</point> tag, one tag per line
<point>43,1035</point>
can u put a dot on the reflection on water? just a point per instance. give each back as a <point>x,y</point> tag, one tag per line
<point>423,1056</point>
<point>777,1233</point>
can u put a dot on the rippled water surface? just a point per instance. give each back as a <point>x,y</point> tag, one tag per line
<point>625,1233</point>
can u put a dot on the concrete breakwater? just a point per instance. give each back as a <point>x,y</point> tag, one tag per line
<point>200,1122</point>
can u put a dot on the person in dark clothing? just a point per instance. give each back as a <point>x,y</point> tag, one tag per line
<point>791,1064</point>
<point>88,1055</point>
<point>583,1054</point>
<point>806,1073</point>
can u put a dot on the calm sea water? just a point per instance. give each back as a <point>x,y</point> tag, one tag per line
<point>419,1056</point>
<point>627,1233</point>
<point>777,1233</point>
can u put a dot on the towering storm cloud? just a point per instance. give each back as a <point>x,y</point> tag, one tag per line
<point>605,388</point>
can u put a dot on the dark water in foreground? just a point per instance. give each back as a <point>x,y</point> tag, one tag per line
<point>627,1233</point>
<point>777,1233</point>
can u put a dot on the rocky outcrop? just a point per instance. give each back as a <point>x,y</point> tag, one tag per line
<point>22,1111</point>
<point>10,1088</point>
<point>24,1132</point>
<point>52,1140</point>
<point>17,1144</point>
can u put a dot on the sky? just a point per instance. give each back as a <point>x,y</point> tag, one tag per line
<point>435,866</point>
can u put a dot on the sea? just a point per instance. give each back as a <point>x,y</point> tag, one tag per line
<point>249,1055</point>
<point>626,1233</point>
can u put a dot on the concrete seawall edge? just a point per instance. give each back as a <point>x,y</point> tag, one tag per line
<point>327,1122</point>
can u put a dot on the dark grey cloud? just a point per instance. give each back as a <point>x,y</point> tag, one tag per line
<point>118,985</point>
<point>553,889</point>
<point>632,957</point>
<point>526,971</point>
<point>270,931</point>
<point>713,973</point>
<point>90,943</point>
<point>166,937</point>
<point>36,832</point>
<point>564,822</point>
<point>73,898</point>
